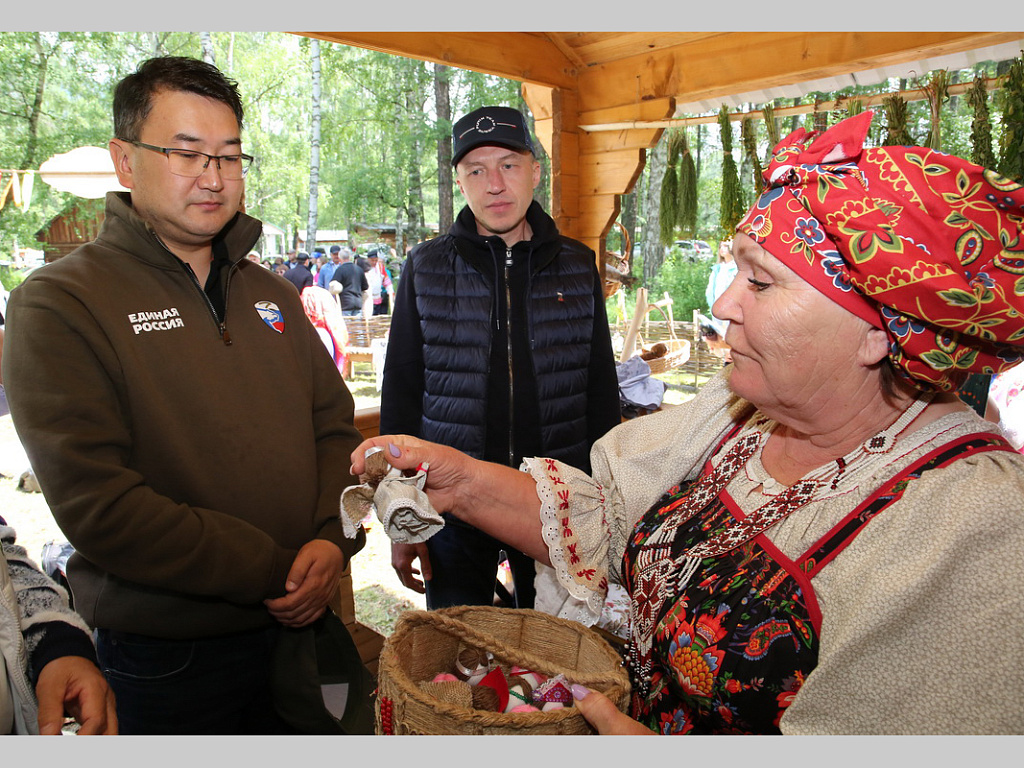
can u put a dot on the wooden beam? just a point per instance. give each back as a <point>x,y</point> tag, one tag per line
<point>597,142</point>
<point>523,56</point>
<point>556,126</point>
<point>649,109</point>
<point>602,47</point>
<point>610,173</point>
<point>727,64</point>
<point>597,213</point>
<point>866,101</point>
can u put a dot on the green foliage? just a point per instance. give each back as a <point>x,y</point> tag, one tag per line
<point>750,153</point>
<point>669,211</point>
<point>937,90</point>
<point>687,192</point>
<point>981,125</point>
<point>1011,161</point>
<point>731,209</point>
<point>378,158</point>
<point>378,133</point>
<point>771,126</point>
<point>11,278</point>
<point>678,202</point>
<point>669,202</point>
<point>896,121</point>
<point>685,281</point>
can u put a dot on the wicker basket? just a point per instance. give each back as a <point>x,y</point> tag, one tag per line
<point>425,643</point>
<point>678,353</point>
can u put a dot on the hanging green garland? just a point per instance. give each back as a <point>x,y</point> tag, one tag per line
<point>731,210</point>
<point>820,121</point>
<point>1011,146</point>
<point>749,135</point>
<point>668,213</point>
<point>687,189</point>
<point>981,125</point>
<point>896,121</point>
<point>772,126</point>
<point>937,91</point>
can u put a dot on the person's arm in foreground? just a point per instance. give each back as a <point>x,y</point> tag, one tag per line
<point>74,685</point>
<point>498,500</point>
<point>68,680</point>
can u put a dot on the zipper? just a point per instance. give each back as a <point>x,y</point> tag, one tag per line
<point>508,341</point>
<point>222,327</point>
<point>15,675</point>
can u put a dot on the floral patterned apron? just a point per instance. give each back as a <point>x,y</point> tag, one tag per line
<point>722,642</point>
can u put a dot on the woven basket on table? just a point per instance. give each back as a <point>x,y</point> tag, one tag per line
<point>678,349</point>
<point>678,353</point>
<point>426,643</point>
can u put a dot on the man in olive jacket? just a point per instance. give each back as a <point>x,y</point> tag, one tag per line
<point>187,427</point>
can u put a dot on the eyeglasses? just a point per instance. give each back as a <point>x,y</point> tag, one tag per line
<point>192,164</point>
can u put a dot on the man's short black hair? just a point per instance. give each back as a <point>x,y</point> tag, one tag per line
<point>133,96</point>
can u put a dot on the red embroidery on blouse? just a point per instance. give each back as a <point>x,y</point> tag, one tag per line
<point>573,557</point>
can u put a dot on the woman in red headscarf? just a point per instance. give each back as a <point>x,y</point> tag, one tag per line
<point>825,539</point>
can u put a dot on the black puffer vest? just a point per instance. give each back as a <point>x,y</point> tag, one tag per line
<point>458,270</point>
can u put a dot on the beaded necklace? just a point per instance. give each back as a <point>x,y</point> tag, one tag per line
<point>660,576</point>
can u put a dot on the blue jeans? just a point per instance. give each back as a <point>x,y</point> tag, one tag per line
<point>210,686</point>
<point>464,565</point>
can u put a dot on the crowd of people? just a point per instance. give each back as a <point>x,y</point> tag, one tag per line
<point>824,540</point>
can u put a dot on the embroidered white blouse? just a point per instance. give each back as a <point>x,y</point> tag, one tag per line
<point>923,613</point>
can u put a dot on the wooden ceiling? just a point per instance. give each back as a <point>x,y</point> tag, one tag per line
<point>574,81</point>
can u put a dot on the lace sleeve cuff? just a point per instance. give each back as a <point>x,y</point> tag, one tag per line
<point>574,526</point>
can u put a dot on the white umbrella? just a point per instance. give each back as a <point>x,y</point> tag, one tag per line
<point>86,172</point>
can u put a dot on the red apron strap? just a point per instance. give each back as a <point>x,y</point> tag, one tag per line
<point>833,542</point>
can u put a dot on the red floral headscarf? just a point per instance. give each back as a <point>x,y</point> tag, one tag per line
<point>921,244</point>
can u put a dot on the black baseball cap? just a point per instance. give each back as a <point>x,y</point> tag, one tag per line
<point>490,126</point>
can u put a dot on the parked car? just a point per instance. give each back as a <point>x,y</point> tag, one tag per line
<point>695,250</point>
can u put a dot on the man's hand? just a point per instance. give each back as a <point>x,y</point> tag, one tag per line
<point>402,558</point>
<point>74,685</point>
<point>606,718</point>
<point>311,583</point>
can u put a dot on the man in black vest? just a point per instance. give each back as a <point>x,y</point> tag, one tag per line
<point>499,346</point>
<point>299,275</point>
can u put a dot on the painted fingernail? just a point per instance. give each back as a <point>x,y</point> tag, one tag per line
<point>394,450</point>
<point>579,691</point>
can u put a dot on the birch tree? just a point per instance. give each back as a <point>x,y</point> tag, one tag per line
<point>314,143</point>
<point>443,131</point>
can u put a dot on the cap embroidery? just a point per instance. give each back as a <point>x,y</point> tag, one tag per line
<point>479,126</point>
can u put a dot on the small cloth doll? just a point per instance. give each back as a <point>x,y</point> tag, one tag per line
<point>553,693</point>
<point>472,664</point>
<point>520,692</point>
<point>401,505</point>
